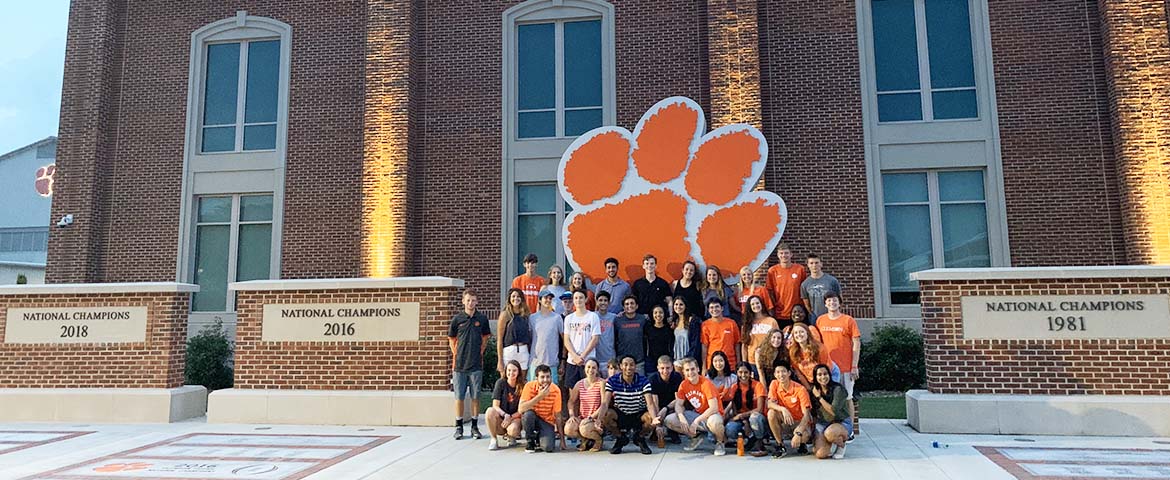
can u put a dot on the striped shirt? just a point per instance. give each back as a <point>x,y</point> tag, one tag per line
<point>590,396</point>
<point>628,398</point>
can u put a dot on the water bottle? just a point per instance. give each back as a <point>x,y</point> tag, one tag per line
<point>739,445</point>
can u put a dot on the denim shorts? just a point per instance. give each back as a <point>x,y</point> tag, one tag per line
<point>467,384</point>
<point>848,424</point>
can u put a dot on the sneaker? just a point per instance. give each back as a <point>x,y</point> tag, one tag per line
<point>850,439</point>
<point>672,437</point>
<point>531,447</point>
<point>693,443</point>
<point>493,444</point>
<point>779,452</point>
<point>506,441</point>
<point>475,432</point>
<point>719,450</point>
<point>642,446</point>
<point>803,450</point>
<point>459,432</point>
<point>619,444</point>
<point>840,453</point>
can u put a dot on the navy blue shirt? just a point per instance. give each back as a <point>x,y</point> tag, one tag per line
<point>468,332</point>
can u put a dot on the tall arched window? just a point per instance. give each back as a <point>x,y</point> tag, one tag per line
<point>558,66</point>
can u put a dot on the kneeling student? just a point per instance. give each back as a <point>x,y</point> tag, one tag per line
<point>789,411</point>
<point>539,406</point>
<point>706,413</point>
<point>584,421</point>
<point>503,417</point>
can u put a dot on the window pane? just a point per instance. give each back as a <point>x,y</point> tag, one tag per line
<point>955,104</point>
<point>256,208</point>
<point>255,252</point>
<point>904,187</point>
<point>537,124</point>
<point>948,39</point>
<point>581,121</point>
<point>222,84</point>
<point>964,231</point>
<point>219,139</point>
<point>908,248</point>
<point>211,262</point>
<point>536,58</point>
<point>537,198</point>
<point>895,45</point>
<point>215,209</point>
<point>260,137</point>
<point>899,107</point>
<point>960,186</point>
<point>263,76</point>
<point>582,64</point>
<point>537,234</point>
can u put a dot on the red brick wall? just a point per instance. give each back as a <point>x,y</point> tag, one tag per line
<point>156,363</point>
<point>420,365</point>
<point>1039,367</point>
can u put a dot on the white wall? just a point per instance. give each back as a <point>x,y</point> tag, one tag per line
<point>21,205</point>
<point>9,272</point>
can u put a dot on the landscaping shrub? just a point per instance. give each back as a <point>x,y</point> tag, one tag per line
<point>209,358</point>
<point>893,360</point>
<point>490,375</point>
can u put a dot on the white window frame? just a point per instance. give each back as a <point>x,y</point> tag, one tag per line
<point>892,147</point>
<point>560,212</point>
<point>535,160</point>
<point>233,224</point>
<point>241,95</point>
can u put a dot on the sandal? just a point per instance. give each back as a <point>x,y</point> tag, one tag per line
<point>595,446</point>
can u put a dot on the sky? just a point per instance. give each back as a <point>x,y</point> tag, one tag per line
<point>32,58</point>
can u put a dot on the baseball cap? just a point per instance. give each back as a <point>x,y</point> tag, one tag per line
<point>566,295</point>
<point>544,292</point>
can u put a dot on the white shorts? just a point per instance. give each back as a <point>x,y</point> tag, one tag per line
<point>518,353</point>
<point>847,382</point>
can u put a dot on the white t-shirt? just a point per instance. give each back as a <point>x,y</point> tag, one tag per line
<point>581,329</point>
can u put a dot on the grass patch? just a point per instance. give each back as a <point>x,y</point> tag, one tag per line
<point>884,406</point>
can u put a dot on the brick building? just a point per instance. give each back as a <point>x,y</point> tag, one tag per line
<point>216,141</point>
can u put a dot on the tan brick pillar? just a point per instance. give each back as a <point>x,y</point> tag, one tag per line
<point>1137,60</point>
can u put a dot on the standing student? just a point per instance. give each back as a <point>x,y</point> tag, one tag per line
<point>842,339</point>
<point>582,333</point>
<point>816,286</point>
<point>751,283</point>
<point>770,354</point>
<point>617,288</point>
<point>713,287</point>
<point>699,409</point>
<point>566,303</point>
<point>789,411</point>
<point>503,417</point>
<point>540,405</point>
<point>719,334</point>
<point>688,287</point>
<point>757,326</point>
<point>530,283</point>
<point>547,327</point>
<point>629,393</point>
<point>659,338</point>
<point>664,385</point>
<point>746,415</point>
<point>783,283</point>
<point>831,404</point>
<point>688,333</point>
<point>584,409</point>
<point>605,347</point>
<point>800,315</point>
<point>556,284</point>
<point>577,282</point>
<point>629,332</point>
<point>651,289</point>
<point>515,334</point>
<point>467,335</point>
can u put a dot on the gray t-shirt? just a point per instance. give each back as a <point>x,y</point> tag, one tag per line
<point>605,345</point>
<point>628,337</point>
<point>546,339</point>
<point>814,290</point>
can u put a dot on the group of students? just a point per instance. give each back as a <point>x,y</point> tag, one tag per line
<point>770,360</point>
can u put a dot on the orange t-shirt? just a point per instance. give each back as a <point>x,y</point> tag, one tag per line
<point>759,335</point>
<point>699,396</point>
<point>805,365</point>
<point>837,336</point>
<point>756,390</point>
<point>784,285</point>
<point>795,399</point>
<point>720,335</point>
<point>549,407</point>
<point>531,287</point>
<point>754,291</point>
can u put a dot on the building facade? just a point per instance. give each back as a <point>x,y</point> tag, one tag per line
<point>26,191</point>
<point>220,141</point>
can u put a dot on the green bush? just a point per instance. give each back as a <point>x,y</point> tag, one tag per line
<point>209,358</point>
<point>892,360</point>
<point>21,279</point>
<point>490,374</point>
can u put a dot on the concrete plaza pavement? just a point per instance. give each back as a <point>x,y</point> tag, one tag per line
<point>886,449</point>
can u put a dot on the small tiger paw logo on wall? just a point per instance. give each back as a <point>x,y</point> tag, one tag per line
<point>44,183</point>
<point>671,189</point>
<point>122,467</point>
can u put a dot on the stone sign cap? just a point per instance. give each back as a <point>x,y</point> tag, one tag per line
<point>347,283</point>
<point>92,288</point>
<point>1024,273</point>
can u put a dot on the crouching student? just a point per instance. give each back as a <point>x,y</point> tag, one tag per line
<point>540,404</point>
<point>832,410</point>
<point>584,421</point>
<point>746,413</point>
<point>698,410</point>
<point>664,385</point>
<point>503,417</point>
<point>629,393</point>
<point>789,412</point>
